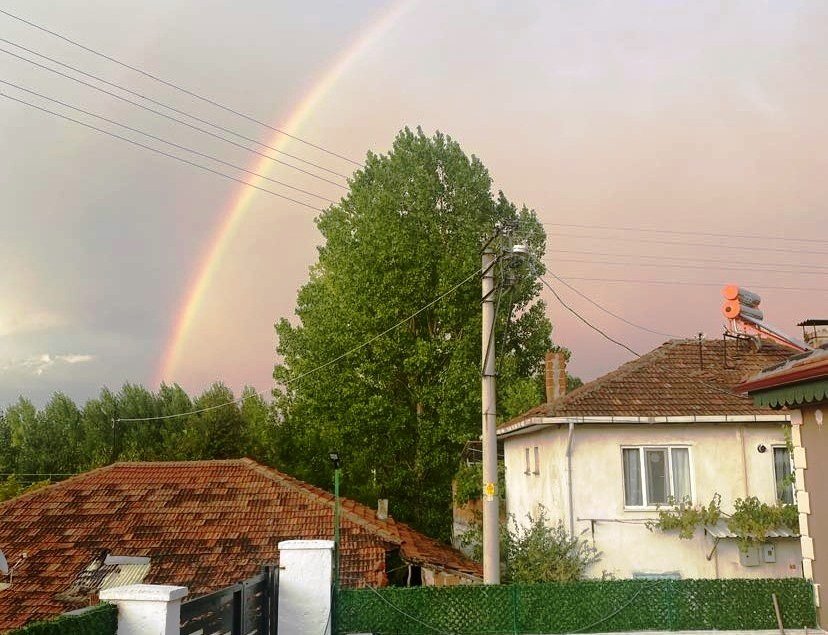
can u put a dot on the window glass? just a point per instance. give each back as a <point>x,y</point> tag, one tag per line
<point>537,460</point>
<point>526,470</point>
<point>681,474</point>
<point>633,493</point>
<point>782,471</point>
<point>655,461</point>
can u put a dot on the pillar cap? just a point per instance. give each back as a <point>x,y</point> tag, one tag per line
<point>144,593</point>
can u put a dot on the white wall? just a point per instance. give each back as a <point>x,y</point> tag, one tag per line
<point>719,465</point>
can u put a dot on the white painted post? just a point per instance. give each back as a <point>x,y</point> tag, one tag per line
<point>147,609</point>
<point>305,577</point>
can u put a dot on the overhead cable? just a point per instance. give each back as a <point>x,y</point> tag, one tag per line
<point>728,246</point>
<point>161,152</point>
<point>162,140</point>
<point>171,118</point>
<point>691,233</point>
<point>177,87</point>
<point>608,312</point>
<point>681,283</point>
<point>326,364</point>
<point>661,258</point>
<point>172,108</point>
<point>714,267</point>
<point>584,320</point>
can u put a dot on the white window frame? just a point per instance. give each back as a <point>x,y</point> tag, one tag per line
<point>642,466</point>
<point>776,483</point>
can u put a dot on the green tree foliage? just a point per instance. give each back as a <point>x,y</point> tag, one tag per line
<point>12,487</point>
<point>62,439</point>
<point>399,410</point>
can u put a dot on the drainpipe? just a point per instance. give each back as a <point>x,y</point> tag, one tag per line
<point>744,460</point>
<point>569,476</point>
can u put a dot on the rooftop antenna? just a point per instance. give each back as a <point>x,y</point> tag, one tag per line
<point>745,318</point>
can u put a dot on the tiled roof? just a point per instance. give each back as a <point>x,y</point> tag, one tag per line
<point>812,364</point>
<point>671,380</point>
<point>204,525</point>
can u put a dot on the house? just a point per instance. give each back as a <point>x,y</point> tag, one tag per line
<point>666,426</point>
<point>800,385</point>
<point>201,524</point>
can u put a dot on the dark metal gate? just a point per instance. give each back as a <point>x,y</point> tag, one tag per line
<point>246,608</point>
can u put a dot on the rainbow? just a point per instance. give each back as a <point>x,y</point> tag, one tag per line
<point>240,202</point>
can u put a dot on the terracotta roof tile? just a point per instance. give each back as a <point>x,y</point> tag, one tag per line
<point>204,524</point>
<point>671,380</point>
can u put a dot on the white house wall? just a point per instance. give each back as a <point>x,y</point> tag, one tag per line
<point>724,459</point>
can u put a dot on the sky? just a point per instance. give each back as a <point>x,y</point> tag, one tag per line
<point>120,265</point>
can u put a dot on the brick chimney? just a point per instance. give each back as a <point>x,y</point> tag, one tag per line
<point>555,375</point>
<point>382,509</point>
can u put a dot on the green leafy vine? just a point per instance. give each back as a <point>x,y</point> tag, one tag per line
<point>751,520</point>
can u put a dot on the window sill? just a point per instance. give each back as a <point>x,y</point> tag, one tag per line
<point>651,508</point>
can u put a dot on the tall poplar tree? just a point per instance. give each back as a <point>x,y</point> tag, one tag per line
<point>400,409</point>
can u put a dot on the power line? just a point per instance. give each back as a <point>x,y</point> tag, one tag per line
<point>686,266</point>
<point>683,259</point>
<point>171,118</point>
<point>691,244</point>
<point>584,320</point>
<point>330,362</point>
<point>690,233</point>
<point>161,152</point>
<point>175,145</point>
<point>208,100</point>
<point>694,378</point>
<point>608,312</point>
<point>679,283</point>
<point>172,108</point>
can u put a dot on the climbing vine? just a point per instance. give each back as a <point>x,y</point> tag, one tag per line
<point>751,519</point>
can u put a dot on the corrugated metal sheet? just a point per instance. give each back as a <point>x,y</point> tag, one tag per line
<point>721,530</point>
<point>124,575</point>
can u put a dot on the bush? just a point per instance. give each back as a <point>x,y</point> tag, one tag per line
<point>101,620</point>
<point>541,552</point>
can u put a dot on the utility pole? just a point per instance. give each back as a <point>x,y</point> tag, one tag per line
<point>491,497</point>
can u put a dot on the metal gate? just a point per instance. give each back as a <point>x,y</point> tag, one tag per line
<point>246,608</point>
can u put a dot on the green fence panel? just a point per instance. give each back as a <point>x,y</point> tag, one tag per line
<point>101,620</point>
<point>588,606</point>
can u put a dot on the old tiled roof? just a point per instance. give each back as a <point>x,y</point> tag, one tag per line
<point>204,525</point>
<point>671,380</point>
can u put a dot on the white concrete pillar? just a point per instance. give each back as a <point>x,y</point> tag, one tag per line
<point>305,578</point>
<point>147,609</point>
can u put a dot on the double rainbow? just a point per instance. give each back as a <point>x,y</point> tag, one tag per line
<point>232,219</point>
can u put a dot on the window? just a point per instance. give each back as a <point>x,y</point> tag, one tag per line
<point>528,453</point>
<point>783,475</point>
<point>653,475</point>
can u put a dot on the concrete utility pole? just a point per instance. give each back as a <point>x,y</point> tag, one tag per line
<point>491,497</point>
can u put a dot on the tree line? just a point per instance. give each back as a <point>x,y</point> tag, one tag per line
<point>63,438</point>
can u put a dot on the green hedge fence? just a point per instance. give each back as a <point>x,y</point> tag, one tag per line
<point>101,620</point>
<point>589,606</point>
